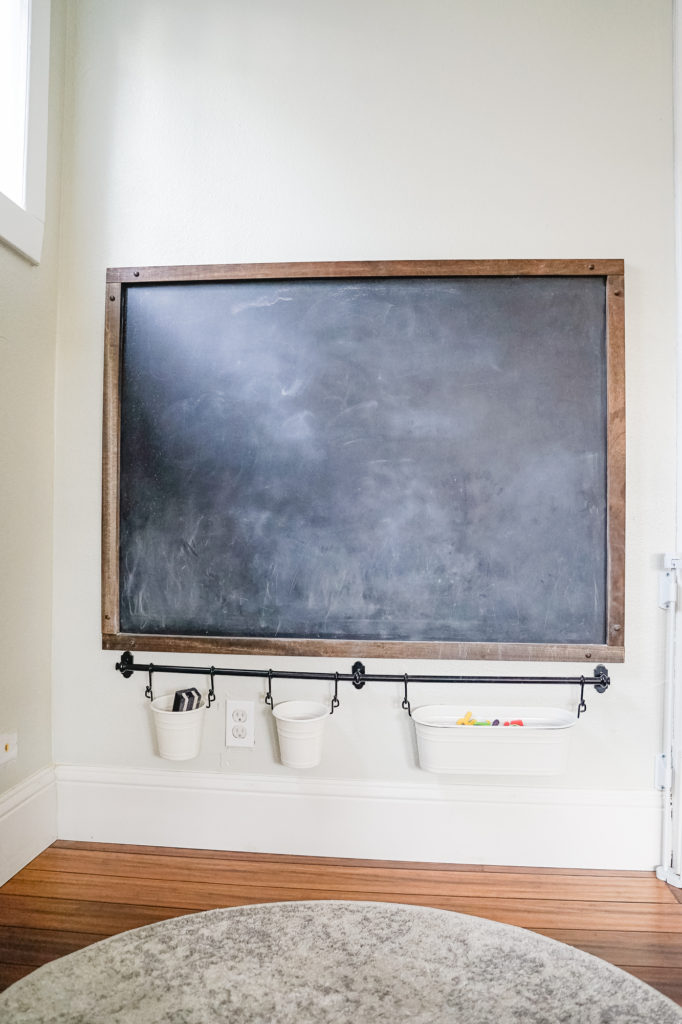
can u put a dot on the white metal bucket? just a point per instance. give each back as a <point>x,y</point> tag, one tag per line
<point>300,730</point>
<point>178,733</point>
<point>539,747</point>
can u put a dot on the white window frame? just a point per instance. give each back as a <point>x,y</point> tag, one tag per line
<point>22,227</point>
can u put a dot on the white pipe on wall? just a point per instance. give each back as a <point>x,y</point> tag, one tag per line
<point>672,809</point>
<point>669,602</point>
<point>674,876</point>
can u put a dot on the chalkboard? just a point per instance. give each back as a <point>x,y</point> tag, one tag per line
<point>389,462</point>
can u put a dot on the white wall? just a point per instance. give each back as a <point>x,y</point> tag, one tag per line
<point>219,131</point>
<point>28,327</point>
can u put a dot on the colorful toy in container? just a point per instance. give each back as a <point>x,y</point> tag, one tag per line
<point>468,719</point>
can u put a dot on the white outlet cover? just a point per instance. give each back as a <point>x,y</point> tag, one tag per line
<point>239,723</point>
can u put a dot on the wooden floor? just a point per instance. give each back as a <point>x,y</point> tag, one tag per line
<point>77,893</point>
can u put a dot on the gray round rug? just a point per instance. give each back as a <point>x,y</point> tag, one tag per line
<point>336,962</point>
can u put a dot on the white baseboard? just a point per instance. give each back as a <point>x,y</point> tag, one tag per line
<point>28,821</point>
<point>374,820</point>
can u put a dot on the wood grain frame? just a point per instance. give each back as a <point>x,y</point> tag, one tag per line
<point>611,270</point>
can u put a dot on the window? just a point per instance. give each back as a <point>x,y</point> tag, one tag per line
<point>24,67</point>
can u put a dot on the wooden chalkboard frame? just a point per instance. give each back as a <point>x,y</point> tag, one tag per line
<point>612,271</point>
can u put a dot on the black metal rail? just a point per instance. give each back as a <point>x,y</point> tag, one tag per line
<point>358,677</point>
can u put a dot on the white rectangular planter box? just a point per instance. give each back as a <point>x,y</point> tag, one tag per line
<point>538,747</point>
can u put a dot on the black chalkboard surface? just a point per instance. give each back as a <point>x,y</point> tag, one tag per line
<point>413,460</point>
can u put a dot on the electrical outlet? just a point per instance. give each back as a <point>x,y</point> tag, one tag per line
<point>239,725</point>
<point>9,746</point>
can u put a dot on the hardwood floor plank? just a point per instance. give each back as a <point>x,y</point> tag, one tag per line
<point>661,978</point>
<point>282,858</point>
<point>634,949</point>
<point>676,893</point>
<point>270,858</point>
<point>80,915</point>
<point>36,946</point>
<point>377,880</point>
<point>586,872</point>
<point>9,973</point>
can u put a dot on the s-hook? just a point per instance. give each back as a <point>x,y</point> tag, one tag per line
<point>335,698</point>
<point>601,685</point>
<point>148,691</point>
<point>210,697</point>
<point>268,696</point>
<point>406,704</point>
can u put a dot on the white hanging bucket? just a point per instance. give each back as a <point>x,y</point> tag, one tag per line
<point>178,733</point>
<point>539,747</point>
<point>300,730</point>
